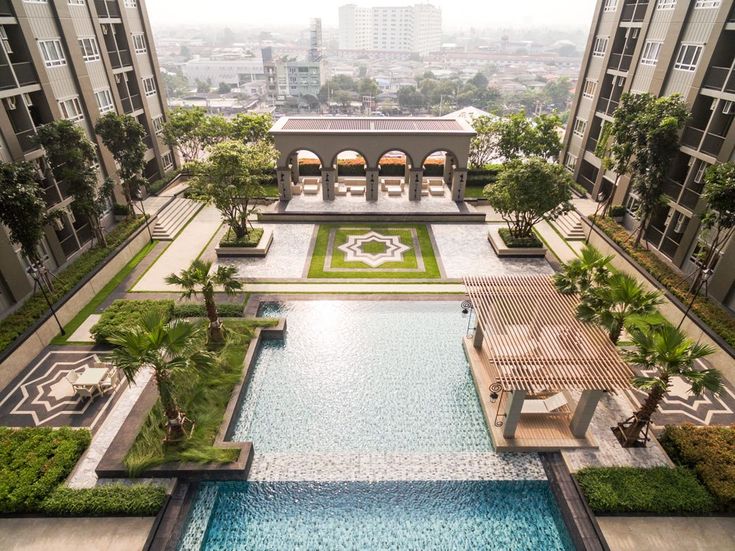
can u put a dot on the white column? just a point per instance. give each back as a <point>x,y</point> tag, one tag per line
<point>372,183</point>
<point>294,162</point>
<point>513,413</point>
<point>584,412</point>
<point>415,177</point>
<point>284,183</point>
<point>477,340</point>
<point>329,177</point>
<point>459,182</point>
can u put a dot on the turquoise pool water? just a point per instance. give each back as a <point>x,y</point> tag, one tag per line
<point>365,376</point>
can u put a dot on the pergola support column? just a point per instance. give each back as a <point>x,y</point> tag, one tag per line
<point>416,177</point>
<point>447,175</point>
<point>284,183</point>
<point>584,412</point>
<point>295,173</point>
<point>459,182</point>
<point>372,183</point>
<point>329,178</point>
<point>479,335</point>
<point>513,413</point>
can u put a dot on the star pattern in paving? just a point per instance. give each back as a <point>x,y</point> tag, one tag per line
<point>354,252</point>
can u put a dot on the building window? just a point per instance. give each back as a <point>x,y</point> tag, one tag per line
<point>131,4</point>
<point>71,109</point>
<point>570,162</point>
<point>52,52</point>
<point>104,101</point>
<point>579,126</point>
<point>90,51</point>
<point>651,51</point>
<point>610,5</point>
<point>666,4</point>
<point>139,44</point>
<point>168,161</point>
<point>590,86</point>
<point>157,124</point>
<point>707,4</point>
<point>36,1</point>
<point>600,46</point>
<point>76,2</point>
<point>688,57</point>
<point>149,85</point>
<point>5,40</point>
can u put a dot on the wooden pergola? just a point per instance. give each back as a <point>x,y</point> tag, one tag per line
<point>533,346</point>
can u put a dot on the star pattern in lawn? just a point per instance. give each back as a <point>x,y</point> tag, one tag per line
<point>354,252</point>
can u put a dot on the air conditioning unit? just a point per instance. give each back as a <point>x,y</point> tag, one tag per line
<point>728,108</point>
<point>71,216</point>
<point>117,78</point>
<point>58,224</point>
<point>104,29</point>
<point>680,223</point>
<point>10,103</point>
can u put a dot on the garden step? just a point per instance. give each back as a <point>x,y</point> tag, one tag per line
<point>570,226</point>
<point>174,217</point>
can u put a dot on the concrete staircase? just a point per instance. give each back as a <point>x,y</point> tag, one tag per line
<point>174,217</point>
<point>570,226</point>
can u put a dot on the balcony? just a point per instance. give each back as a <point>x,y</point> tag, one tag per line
<point>25,73</point>
<point>131,104</point>
<point>26,138</point>
<point>634,13</point>
<point>712,144</point>
<point>719,78</point>
<point>52,196</point>
<point>107,9</point>
<point>607,105</point>
<point>7,79</point>
<point>120,58</point>
<point>692,137</point>
<point>620,62</point>
<point>591,145</point>
<point>148,141</point>
<point>672,189</point>
<point>689,199</point>
<point>6,9</point>
<point>707,142</point>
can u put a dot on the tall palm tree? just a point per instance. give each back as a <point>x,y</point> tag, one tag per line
<point>197,279</point>
<point>670,353</point>
<point>613,303</point>
<point>168,349</point>
<point>591,269</point>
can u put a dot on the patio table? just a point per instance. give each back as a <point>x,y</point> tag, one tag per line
<point>91,378</point>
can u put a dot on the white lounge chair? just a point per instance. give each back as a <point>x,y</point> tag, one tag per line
<point>394,190</point>
<point>340,189</point>
<point>311,189</point>
<point>436,190</point>
<point>552,404</point>
<point>357,190</point>
<point>297,189</point>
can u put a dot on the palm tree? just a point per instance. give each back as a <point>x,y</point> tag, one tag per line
<point>168,349</point>
<point>670,353</point>
<point>589,270</point>
<point>612,304</point>
<point>197,279</point>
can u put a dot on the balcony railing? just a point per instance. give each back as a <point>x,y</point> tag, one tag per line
<point>712,144</point>
<point>107,9</point>
<point>689,199</point>
<point>26,138</point>
<point>719,78</point>
<point>591,144</point>
<point>692,137</point>
<point>52,196</point>
<point>586,182</point>
<point>607,105</point>
<point>7,79</point>
<point>672,189</point>
<point>620,62</point>
<point>706,142</point>
<point>25,73</point>
<point>6,9</point>
<point>131,104</point>
<point>634,13</point>
<point>120,58</point>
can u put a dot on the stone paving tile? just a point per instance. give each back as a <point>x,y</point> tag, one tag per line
<point>349,204</point>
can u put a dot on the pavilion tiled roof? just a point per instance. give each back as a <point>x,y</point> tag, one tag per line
<point>408,125</point>
<point>534,341</point>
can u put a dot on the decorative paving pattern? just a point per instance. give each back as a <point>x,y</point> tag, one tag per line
<point>354,249</point>
<point>43,396</point>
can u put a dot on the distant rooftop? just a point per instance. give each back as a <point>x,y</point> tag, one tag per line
<point>361,125</point>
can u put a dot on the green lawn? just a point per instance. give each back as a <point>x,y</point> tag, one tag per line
<point>360,270</point>
<point>474,192</point>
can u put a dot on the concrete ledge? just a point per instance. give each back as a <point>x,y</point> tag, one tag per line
<point>261,249</point>
<point>501,249</point>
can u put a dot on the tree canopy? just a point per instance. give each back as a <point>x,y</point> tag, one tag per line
<point>123,136</point>
<point>518,136</point>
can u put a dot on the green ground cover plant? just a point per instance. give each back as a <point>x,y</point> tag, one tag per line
<point>519,242</point>
<point>35,307</point>
<point>360,270</point>
<point>710,453</point>
<point>195,310</point>
<point>657,490</point>
<point>250,240</point>
<point>203,396</point>
<point>720,321</point>
<point>124,313</point>
<point>137,500</point>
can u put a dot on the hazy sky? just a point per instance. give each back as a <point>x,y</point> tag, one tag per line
<point>455,13</point>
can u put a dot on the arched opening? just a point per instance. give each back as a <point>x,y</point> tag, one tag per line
<point>438,169</point>
<point>306,172</point>
<point>393,168</point>
<point>350,165</point>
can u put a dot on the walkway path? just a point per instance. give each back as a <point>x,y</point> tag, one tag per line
<point>666,533</point>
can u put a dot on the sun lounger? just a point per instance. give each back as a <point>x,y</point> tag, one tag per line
<point>394,190</point>
<point>552,404</point>
<point>311,189</point>
<point>297,189</point>
<point>357,190</point>
<point>436,191</point>
<point>340,189</point>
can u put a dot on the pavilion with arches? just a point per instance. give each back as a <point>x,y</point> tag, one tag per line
<point>371,138</point>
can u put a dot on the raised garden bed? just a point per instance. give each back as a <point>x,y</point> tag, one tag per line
<point>257,243</point>
<point>497,237</point>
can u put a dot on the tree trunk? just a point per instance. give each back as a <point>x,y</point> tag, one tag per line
<point>174,416</point>
<point>215,325</point>
<point>615,332</point>
<point>642,417</point>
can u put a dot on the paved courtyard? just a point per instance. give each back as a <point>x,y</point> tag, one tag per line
<point>385,204</point>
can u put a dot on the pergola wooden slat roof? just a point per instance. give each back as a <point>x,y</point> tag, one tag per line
<point>535,341</point>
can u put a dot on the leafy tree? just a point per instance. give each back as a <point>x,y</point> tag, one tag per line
<point>614,302</point>
<point>520,137</point>
<point>231,177</point>
<point>22,207</point>
<point>410,98</point>
<point>483,144</point>
<point>72,156</point>
<point>558,92</point>
<point>224,88</point>
<point>182,131</point>
<point>176,84</point>
<point>203,87</point>
<point>718,221</point>
<point>169,349</point>
<point>669,353</point>
<point>123,136</point>
<point>526,192</point>
<point>197,279</point>
<point>251,127</point>
<point>480,81</point>
<point>214,129</point>
<point>368,87</point>
<point>591,269</point>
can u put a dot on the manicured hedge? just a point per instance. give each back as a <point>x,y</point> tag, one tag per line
<point>195,310</point>
<point>139,500</point>
<point>711,313</point>
<point>658,490</point>
<point>125,313</point>
<point>519,242</point>
<point>35,307</point>
<point>33,462</point>
<point>710,451</point>
<point>157,185</point>
<point>251,240</point>
<point>483,176</point>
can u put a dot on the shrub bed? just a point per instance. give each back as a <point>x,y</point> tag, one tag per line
<point>483,176</point>
<point>139,500</point>
<point>157,185</point>
<point>711,313</point>
<point>519,242</point>
<point>710,451</point>
<point>35,307</point>
<point>250,240</point>
<point>658,490</point>
<point>125,313</point>
<point>192,310</point>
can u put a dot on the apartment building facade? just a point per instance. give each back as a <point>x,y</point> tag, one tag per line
<point>291,78</point>
<point>409,29</point>
<point>73,59</point>
<point>663,47</point>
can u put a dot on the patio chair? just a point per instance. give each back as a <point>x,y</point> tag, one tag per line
<point>111,381</point>
<point>551,406</point>
<point>340,189</point>
<point>84,392</point>
<point>297,189</point>
<point>394,190</point>
<point>72,377</point>
<point>357,190</point>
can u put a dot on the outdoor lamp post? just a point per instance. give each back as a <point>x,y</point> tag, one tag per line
<point>34,270</point>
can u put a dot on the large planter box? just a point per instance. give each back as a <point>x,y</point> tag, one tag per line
<point>261,249</point>
<point>501,249</point>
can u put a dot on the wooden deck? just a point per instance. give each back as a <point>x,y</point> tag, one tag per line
<point>535,432</point>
